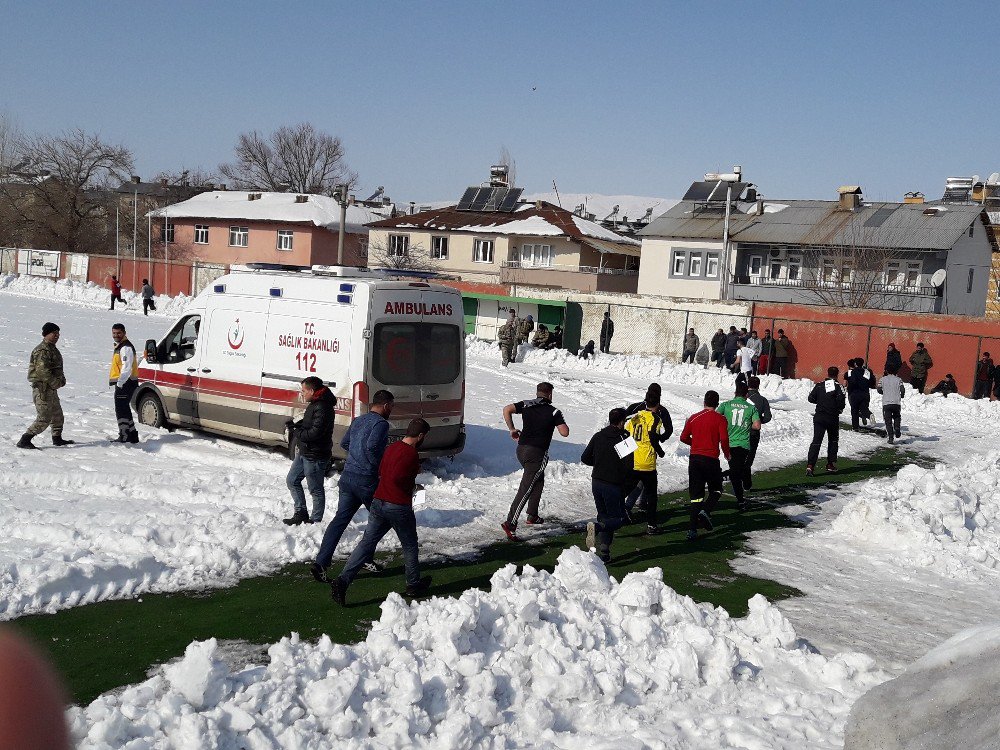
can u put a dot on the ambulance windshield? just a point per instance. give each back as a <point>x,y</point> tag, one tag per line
<point>416,353</point>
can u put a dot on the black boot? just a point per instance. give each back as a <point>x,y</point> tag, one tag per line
<point>132,437</point>
<point>25,442</point>
<point>297,518</point>
<point>57,440</point>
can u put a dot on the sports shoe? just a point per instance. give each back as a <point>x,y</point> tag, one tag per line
<point>25,442</point>
<point>591,541</point>
<point>691,535</point>
<point>652,529</point>
<point>57,440</point>
<point>809,471</point>
<point>898,436</point>
<point>534,521</point>
<point>373,567</point>
<point>705,520</point>
<point>296,519</point>
<point>419,589</point>
<point>831,468</point>
<point>510,529</point>
<point>891,439</point>
<point>605,557</point>
<point>338,592</point>
<point>319,572</point>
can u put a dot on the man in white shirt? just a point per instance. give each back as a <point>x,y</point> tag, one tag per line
<point>744,362</point>
<point>755,344</point>
<point>124,378</point>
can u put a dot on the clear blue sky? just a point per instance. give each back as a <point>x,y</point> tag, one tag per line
<point>606,97</point>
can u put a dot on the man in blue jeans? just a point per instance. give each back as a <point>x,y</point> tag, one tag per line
<point>365,442</point>
<point>392,508</point>
<point>610,475</point>
<point>314,438</point>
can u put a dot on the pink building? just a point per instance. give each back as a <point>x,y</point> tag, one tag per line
<point>236,227</point>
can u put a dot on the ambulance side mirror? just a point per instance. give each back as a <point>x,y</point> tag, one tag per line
<point>150,350</point>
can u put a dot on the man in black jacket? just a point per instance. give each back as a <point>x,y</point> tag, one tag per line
<point>718,347</point>
<point>860,383</point>
<point>607,331</point>
<point>764,407</point>
<point>830,401</point>
<point>611,472</point>
<point>313,451</point>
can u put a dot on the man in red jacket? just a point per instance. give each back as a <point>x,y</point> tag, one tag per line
<point>392,508</point>
<point>706,432</point>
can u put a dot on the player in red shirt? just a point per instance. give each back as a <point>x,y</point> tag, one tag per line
<point>392,508</point>
<point>707,432</point>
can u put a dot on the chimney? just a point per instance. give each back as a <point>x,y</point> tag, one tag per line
<point>538,205</point>
<point>136,179</point>
<point>301,198</point>
<point>850,197</point>
<point>413,207</point>
<point>760,206</point>
<point>914,197</point>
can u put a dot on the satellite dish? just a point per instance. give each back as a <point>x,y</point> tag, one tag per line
<point>975,179</point>
<point>994,179</point>
<point>937,279</point>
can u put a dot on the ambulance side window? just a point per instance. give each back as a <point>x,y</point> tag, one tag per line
<point>180,343</point>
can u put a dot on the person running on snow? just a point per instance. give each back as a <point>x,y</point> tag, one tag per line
<point>946,386</point>
<point>148,303</point>
<point>742,418</point>
<point>539,419</point>
<point>507,338</point>
<point>314,440</point>
<point>608,480</point>
<point>45,373</point>
<point>116,292</point>
<point>830,401</point>
<point>920,363</point>
<point>653,393</point>
<point>891,388</point>
<point>764,409</point>
<point>646,429</point>
<point>392,509</point>
<point>707,433</point>
<point>524,329</point>
<point>984,377</point>
<point>607,331</point>
<point>744,362</point>
<point>860,382</point>
<point>124,378</point>
<point>365,442</point>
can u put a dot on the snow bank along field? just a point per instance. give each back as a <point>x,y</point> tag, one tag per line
<point>890,568</point>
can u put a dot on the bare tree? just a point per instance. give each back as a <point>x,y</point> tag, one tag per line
<point>414,257</point>
<point>61,196</point>
<point>196,177</point>
<point>296,159</point>
<point>507,160</point>
<point>9,138</point>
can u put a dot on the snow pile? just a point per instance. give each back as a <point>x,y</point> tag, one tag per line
<point>87,292</point>
<point>543,660</point>
<point>946,519</point>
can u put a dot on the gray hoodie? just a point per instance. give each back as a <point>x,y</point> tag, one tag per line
<point>891,389</point>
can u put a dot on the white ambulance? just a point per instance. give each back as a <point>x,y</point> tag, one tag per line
<point>233,362</point>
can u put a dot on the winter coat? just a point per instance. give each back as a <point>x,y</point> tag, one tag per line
<point>601,454</point>
<point>762,404</point>
<point>555,340</point>
<point>147,291</point>
<point>946,386</point>
<point>920,363</point>
<point>314,431</point>
<point>766,346</point>
<point>755,345</point>
<point>830,402</point>
<point>524,329</point>
<point>507,334</point>
<point>782,345</point>
<point>45,367</point>
<point>541,338</point>
<point>607,328</point>
<point>732,342</point>
<point>691,342</point>
<point>893,359</point>
<point>718,342</point>
<point>116,288</point>
<point>860,380</point>
<point>984,370</point>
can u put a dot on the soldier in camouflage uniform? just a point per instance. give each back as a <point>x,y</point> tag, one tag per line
<point>507,338</point>
<point>45,373</point>
<point>524,329</point>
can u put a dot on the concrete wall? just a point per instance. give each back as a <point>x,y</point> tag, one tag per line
<point>654,273</point>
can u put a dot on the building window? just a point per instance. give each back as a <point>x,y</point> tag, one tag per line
<point>695,264</point>
<point>756,265</point>
<point>794,267</point>
<point>239,236</point>
<point>439,248</point>
<point>775,269</point>
<point>168,232</point>
<point>846,272</point>
<point>679,265</point>
<point>363,248</point>
<point>913,269</point>
<point>972,275</point>
<point>399,245</point>
<point>201,234</point>
<point>482,251</point>
<point>536,256</point>
<point>284,239</point>
<point>828,271</point>
<point>712,265</point>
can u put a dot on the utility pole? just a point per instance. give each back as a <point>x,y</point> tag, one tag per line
<point>730,178</point>
<point>135,236</point>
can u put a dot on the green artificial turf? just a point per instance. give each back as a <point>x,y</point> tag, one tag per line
<point>105,645</point>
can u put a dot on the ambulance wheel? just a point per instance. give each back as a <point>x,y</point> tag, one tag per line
<point>150,410</point>
<point>293,446</point>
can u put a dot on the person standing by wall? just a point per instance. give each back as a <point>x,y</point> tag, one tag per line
<point>314,442</point>
<point>45,373</point>
<point>743,364</point>
<point>891,388</point>
<point>608,480</point>
<point>755,344</point>
<point>148,303</point>
<point>920,363</point>
<point>984,377</point>
<point>742,418</point>
<point>539,419</point>
<point>365,442</point>
<point>690,349</point>
<point>732,346</point>
<point>782,351</point>
<point>507,338</point>
<point>392,509</point>
<point>116,292</point>
<point>124,378</point>
<point>719,347</point>
<point>607,331</point>
<point>764,409</point>
<point>830,401</point>
<point>524,329</point>
<point>766,353</point>
<point>707,433</point>
<point>893,359</point>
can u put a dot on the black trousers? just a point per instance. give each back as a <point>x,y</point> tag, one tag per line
<point>981,389</point>
<point>147,305</point>
<point>830,427</point>
<point>738,470</point>
<point>859,406</point>
<point>648,481</point>
<point>529,492</point>
<point>780,366</point>
<point>606,344</point>
<point>703,472</point>
<point>754,442</point>
<point>688,356</point>
<point>918,383</point>
<point>891,413</point>
<point>610,502</point>
<point>123,409</point>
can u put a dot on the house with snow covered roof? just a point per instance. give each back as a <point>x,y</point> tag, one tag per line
<point>909,256</point>
<point>503,240</point>
<point>237,226</point>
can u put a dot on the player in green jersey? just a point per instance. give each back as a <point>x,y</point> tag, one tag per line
<point>741,416</point>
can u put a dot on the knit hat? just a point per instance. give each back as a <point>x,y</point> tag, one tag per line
<point>49,328</point>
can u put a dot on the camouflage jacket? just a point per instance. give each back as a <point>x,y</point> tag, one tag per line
<point>45,367</point>
<point>507,332</point>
